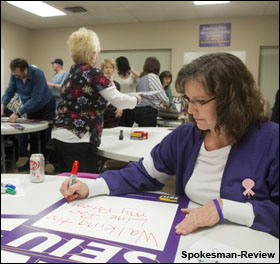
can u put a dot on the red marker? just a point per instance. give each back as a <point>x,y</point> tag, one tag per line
<point>73,177</point>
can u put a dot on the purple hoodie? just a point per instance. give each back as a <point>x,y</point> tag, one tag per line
<point>255,157</point>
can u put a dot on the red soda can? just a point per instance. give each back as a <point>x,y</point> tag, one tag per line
<point>145,135</point>
<point>37,168</point>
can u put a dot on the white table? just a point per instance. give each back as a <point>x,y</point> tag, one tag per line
<point>226,235</point>
<point>129,149</point>
<point>6,129</point>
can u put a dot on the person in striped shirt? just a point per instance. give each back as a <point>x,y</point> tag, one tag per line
<point>145,113</point>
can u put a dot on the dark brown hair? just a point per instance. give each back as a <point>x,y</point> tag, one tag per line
<point>151,65</point>
<point>18,63</point>
<point>123,65</point>
<point>165,74</point>
<point>239,101</point>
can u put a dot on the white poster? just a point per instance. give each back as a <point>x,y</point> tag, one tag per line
<point>130,221</point>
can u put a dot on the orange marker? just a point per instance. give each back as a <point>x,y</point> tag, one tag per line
<point>73,177</point>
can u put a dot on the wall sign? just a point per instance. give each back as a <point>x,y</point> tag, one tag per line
<point>214,35</point>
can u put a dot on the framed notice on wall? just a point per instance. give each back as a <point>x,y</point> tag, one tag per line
<point>215,35</point>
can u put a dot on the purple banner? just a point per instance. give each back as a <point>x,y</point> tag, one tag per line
<point>214,35</point>
<point>60,247</point>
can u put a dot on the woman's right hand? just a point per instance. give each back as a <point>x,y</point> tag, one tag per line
<point>135,73</point>
<point>78,190</point>
<point>206,215</point>
<point>118,113</point>
<point>139,98</point>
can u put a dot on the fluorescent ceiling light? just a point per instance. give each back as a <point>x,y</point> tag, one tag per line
<point>38,8</point>
<point>210,2</point>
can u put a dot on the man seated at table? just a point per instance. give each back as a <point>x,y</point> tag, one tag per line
<point>37,99</point>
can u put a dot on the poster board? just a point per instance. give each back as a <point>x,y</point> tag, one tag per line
<point>123,229</point>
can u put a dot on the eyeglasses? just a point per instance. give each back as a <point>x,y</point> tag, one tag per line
<point>198,103</point>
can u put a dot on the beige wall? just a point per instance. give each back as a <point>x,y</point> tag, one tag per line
<point>16,43</point>
<point>180,36</point>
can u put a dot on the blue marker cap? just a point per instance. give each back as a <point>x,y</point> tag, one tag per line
<point>10,186</point>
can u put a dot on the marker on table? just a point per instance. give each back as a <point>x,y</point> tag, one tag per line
<point>10,191</point>
<point>73,177</point>
<point>10,186</point>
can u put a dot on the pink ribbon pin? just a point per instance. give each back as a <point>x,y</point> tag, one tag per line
<point>248,184</point>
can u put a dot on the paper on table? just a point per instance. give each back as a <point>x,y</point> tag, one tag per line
<point>17,126</point>
<point>5,119</point>
<point>131,221</point>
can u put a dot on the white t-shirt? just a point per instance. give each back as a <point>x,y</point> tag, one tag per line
<point>205,182</point>
<point>127,85</point>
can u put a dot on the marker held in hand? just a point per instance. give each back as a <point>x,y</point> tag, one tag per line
<point>73,177</point>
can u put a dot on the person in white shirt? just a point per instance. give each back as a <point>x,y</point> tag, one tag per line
<point>127,78</point>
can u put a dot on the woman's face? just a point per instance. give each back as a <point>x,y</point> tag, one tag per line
<point>108,70</point>
<point>166,81</point>
<point>205,114</point>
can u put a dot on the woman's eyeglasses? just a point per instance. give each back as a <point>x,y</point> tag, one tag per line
<point>197,103</point>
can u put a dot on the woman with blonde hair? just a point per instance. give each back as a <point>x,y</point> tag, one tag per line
<point>84,95</point>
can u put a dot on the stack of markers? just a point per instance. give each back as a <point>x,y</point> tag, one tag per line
<point>8,188</point>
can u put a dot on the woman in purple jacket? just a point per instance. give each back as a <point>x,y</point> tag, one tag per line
<point>227,159</point>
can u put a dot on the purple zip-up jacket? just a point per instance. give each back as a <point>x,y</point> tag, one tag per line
<point>256,157</point>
